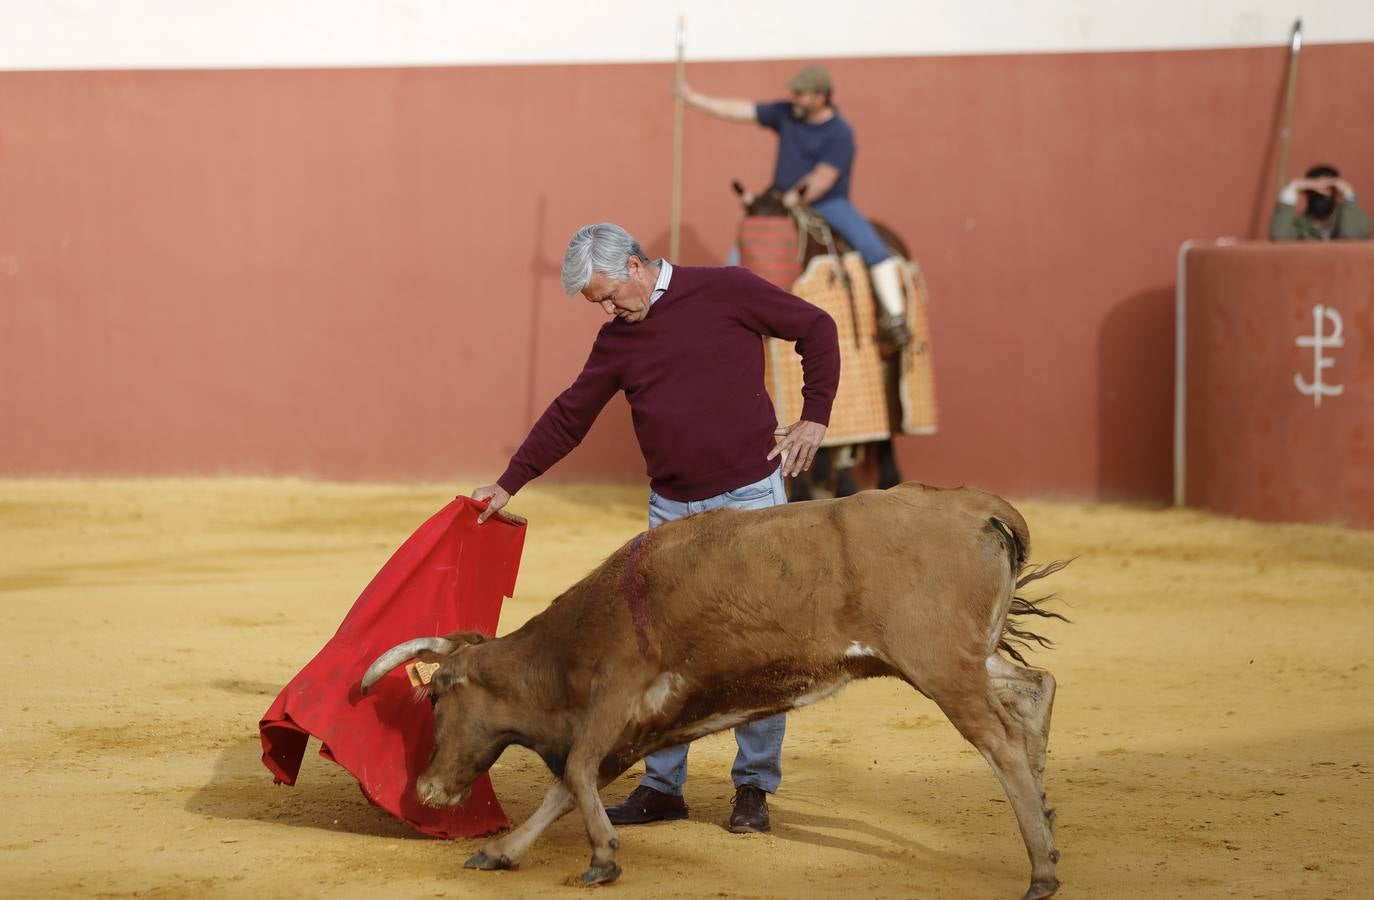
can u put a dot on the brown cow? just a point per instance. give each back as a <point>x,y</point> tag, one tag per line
<point>730,616</point>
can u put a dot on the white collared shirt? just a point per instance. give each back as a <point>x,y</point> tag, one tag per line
<point>665,275</point>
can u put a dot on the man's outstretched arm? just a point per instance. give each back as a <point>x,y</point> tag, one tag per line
<point>731,109</point>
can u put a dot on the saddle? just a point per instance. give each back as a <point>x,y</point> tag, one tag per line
<point>815,237</point>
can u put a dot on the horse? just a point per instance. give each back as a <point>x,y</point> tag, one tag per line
<point>820,242</point>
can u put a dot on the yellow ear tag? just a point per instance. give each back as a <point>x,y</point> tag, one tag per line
<point>420,672</point>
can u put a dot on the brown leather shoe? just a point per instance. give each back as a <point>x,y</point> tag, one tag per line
<point>647,805</point>
<point>750,815</point>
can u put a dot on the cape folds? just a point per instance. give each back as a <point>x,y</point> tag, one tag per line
<point>450,575</point>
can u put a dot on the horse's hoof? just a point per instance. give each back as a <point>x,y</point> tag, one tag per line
<point>1041,888</point>
<point>480,860</point>
<point>601,873</point>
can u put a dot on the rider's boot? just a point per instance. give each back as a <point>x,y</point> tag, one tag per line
<point>893,332</point>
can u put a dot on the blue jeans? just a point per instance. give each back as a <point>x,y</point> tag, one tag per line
<point>851,224</point>
<point>759,760</point>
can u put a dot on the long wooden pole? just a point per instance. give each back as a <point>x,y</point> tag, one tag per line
<point>675,221</point>
<point>1294,48</point>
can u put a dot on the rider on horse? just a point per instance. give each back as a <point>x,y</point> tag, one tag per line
<point>815,160</point>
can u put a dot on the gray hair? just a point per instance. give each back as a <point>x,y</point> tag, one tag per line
<point>604,247</point>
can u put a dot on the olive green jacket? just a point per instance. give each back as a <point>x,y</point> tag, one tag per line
<point>1349,223</point>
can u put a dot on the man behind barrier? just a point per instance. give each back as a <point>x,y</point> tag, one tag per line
<point>1329,211</point>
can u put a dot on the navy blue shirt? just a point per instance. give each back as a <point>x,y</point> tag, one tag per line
<point>802,145</point>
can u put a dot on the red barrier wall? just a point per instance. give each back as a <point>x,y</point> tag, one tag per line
<point>354,273</point>
<point>1277,386</point>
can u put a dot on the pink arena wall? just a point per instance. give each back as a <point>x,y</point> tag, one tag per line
<point>354,273</point>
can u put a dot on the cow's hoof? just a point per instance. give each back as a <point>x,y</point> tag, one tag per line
<point>1041,888</point>
<point>480,860</point>
<point>601,873</point>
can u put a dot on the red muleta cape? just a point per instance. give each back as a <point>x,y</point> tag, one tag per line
<point>450,575</point>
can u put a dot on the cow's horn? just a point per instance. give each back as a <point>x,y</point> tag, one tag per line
<point>402,652</point>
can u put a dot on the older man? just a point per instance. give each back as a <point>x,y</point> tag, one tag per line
<point>815,162</point>
<point>683,344</point>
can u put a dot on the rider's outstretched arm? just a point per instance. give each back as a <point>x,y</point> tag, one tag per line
<point>729,108</point>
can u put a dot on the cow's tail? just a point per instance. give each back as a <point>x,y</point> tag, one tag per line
<point>1014,636</point>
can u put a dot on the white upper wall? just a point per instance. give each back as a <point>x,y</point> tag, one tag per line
<point>117,34</point>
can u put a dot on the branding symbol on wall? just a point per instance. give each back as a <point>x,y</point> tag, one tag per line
<point>1319,340</point>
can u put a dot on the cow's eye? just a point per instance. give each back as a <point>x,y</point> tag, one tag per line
<point>433,700</point>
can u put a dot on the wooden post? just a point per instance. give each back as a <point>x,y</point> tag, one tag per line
<point>675,219</point>
<point>1294,48</point>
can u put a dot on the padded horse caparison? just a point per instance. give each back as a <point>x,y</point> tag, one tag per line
<point>777,244</point>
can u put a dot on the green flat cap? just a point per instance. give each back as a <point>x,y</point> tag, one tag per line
<point>812,78</point>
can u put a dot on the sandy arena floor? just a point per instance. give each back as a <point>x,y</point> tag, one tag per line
<point>1213,734</point>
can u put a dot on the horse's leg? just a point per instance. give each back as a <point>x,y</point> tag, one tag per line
<point>820,466</point>
<point>845,484</point>
<point>888,473</point>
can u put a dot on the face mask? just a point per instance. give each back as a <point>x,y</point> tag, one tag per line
<point>1319,206</point>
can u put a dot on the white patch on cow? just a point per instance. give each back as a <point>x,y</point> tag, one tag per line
<point>820,692</point>
<point>664,686</point>
<point>856,649</point>
<point>719,722</point>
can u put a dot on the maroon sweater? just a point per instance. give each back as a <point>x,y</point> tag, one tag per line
<point>693,373</point>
